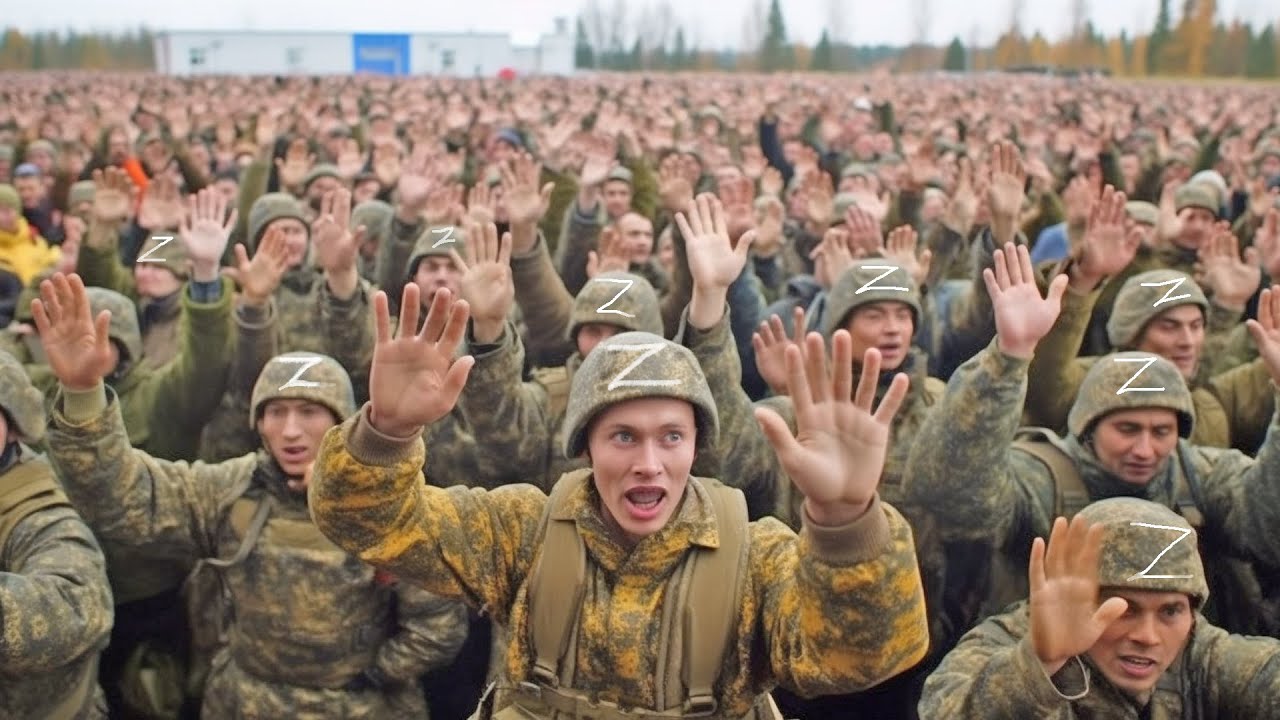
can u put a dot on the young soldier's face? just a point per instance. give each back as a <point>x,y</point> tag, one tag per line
<point>154,282</point>
<point>295,238</point>
<point>617,198</point>
<point>592,334</point>
<point>1134,444</point>
<point>884,325</point>
<point>1177,335</point>
<point>1137,649</point>
<point>436,272</point>
<point>640,452</point>
<point>1197,223</point>
<point>292,429</point>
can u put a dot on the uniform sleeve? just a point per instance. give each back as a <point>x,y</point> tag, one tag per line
<point>1054,375</point>
<point>346,327</point>
<point>993,674</point>
<point>580,234</point>
<point>1242,673</point>
<point>129,498</point>
<point>1248,401</point>
<point>431,632</point>
<point>99,266</point>
<point>369,497</point>
<point>187,389</point>
<point>972,323</point>
<point>509,416</point>
<point>843,608</point>
<point>546,304</point>
<point>393,259</point>
<point>55,602</point>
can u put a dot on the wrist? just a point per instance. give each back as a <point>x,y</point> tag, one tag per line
<point>205,272</point>
<point>835,514</point>
<point>392,430</point>
<point>1021,349</point>
<point>409,214</point>
<point>487,331</point>
<point>706,307</point>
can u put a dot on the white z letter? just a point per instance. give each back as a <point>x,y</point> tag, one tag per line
<point>887,269</point>
<point>164,240</point>
<point>1175,283</point>
<point>307,364</point>
<point>448,236</point>
<point>1185,532</point>
<point>1125,388</point>
<point>604,309</point>
<point>653,349</point>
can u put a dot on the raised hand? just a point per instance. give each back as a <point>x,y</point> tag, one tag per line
<point>769,235</point>
<point>1006,191</point>
<point>1266,330</point>
<point>714,262</point>
<point>486,282</point>
<point>902,249</point>
<point>833,256</point>
<point>771,342</point>
<point>820,196</point>
<point>480,203</point>
<point>113,195</point>
<point>613,255</point>
<point>1267,240</point>
<point>1232,280</point>
<point>206,230</point>
<point>771,182</point>
<point>77,345</point>
<point>525,202</point>
<point>838,452</point>
<point>674,188</point>
<point>350,160</point>
<point>865,236</point>
<point>1107,248</point>
<point>413,188</point>
<point>601,155</point>
<point>1066,619</point>
<point>962,211</point>
<point>1022,316</point>
<point>415,379</point>
<point>336,245</point>
<point>258,278</point>
<point>161,207</point>
<point>295,165</point>
<point>1261,200</point>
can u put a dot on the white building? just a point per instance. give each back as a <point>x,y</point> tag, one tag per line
<point>230,52</point>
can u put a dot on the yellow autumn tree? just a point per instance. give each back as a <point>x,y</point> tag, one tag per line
<point>1138,58</point>
<point>1115,57</point>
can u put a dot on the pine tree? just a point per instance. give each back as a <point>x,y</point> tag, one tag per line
<point>822,59</point>
<point>680,53</point>
<point>956,59</point>
<point>1159,38</point>
<point>775,53</point>
<point>583,54</point>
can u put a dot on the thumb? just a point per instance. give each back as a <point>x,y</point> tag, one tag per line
<point>1109,612</point>
<point>1058,287</point>
<point>242,257</point>
<point>1256,330</point>
<point>776,431</point>
<point>1251,256</point>
<point>744,244</point>
<point>593,263</point>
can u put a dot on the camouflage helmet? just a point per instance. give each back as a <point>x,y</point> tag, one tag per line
<point>862,284</point>
<point>269,208</point>
<point>375,216</point>
<point>633,365</point>
<point>81,191</point>
<point>303,376</point>
<point>1115,382</point>
<point>1197,195</point>
<point>1147,546</point>
<point>608,298</point>
<point>432,243</point>
<point>1143,297</point>
<point>840,204</point>
<point>170,255</point>
<point>22,403</point>
<point>321,170</point>
<point>124,319</point>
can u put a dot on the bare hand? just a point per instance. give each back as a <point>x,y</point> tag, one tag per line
<point>1232,280</point>
<point>526,203</point>
<point>771,342</point>
<point>486,282</point>
<point>1022,316</point>
<point>614,255</point>
<point>336,245</point>
<point>1107,248</point>
<point>77,345</point>
<point>113,195</point>
<point>161,207</point>
<point>714,261</point>
<point>902,248</point>
<point>258,278</point>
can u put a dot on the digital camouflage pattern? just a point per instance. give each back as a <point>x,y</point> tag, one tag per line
<point>1145,296</point>
<point>124,321</point>
<point>225,435</point>
<point>828,610</point>
<point>964,468</point>
<point>22,403</point>
<point>308,618</point>
<point>303,376</point>
<point>55,607</point>
<point>1110,384</point>
<point>994,674</point>
<point>628,301</point>
<point>862,284</point>
<point>375,217</point>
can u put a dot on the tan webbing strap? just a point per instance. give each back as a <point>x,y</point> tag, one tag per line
<point>1070,494</point>
<point>27,488</point>
<point>557,585</point>
<point>557,383</point>
<point>252,529</point>
<point>1186,490</point>
<point>713,598</point>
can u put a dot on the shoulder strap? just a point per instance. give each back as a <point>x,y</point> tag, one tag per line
<point>1070,494</point>
<point>1186,492</point>
<point>26,488</point>
<point>714,595</point>
<point>551,611</point>
<point>557,383</point>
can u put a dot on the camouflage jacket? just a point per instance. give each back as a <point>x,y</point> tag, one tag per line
<point>227,434</point>
<point>993,674</point>
<point>307,616</point>
<point>55,610</point>
<point>963,466</point>
<point>159,319</point>
<point>1233,406</point>
<point>310,319</point>
<point>833,609</point>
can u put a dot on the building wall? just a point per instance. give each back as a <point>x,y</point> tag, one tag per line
<point>285,53</point>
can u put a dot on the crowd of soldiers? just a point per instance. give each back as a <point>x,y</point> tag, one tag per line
<point>623,397</point>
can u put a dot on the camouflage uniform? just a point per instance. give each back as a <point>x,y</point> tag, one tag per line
<point>375,216</point>
<point>257,339</point>
<point>22,341</point>
<point>309,317</point>
<point>964,466</point>
<point>160,317</point>
<point>55,603</point>
<point>315,632</point>
<point>829,610</point>
<point>521,423</point>
<point>1233,406</point>
<point>994,674</point>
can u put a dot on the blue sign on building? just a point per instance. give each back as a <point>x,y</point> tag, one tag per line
<point>381,54</point>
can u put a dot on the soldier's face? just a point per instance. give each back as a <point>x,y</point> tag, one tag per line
<point>154,282</point>
<point>1135,650</point>
<point>641,451</point>
<point>887,326</point>
<point>1177,335</point>
<point>292,429</point>
<point>295,238</point>
<point>592,334</point>
<point>434,273</point>
<point>1196,225</point>
<point>617,198</point>
<point>1134,444</point>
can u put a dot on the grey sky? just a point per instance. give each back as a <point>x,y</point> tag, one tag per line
<point>712,24</point>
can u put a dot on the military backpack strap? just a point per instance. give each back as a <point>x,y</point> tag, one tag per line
<point>27,488</point>
<point>248,517</point>
<point>1070,493</point>
<point>715,594</point>
<point>1186,493</point>
<point>556,587</point>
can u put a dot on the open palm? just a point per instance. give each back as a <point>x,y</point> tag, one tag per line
<point>77,345</point>
<point>1022,316</point>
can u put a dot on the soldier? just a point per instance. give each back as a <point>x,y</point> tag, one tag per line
<point>800,613</point>
<point>1125,429</point>
<point>314,632</point>
<point>55,603</point>
<point>1112,630</point>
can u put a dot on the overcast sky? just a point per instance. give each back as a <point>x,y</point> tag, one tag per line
<point>713,23</point>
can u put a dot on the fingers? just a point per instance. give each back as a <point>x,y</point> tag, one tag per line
<point>1027,272</point>
<point>1035,567</point>
<point>409,309</point>
<point>842,366</point>
<point>799,325</point>
<point>1110,611</point>
<point>437,316</point>
<point>381,317</point>
<point>1001,270</point>
<point>815,366</point>
<point>893,398</point>
<point>775,430</point>
<point>797,382</point>
<point>102,333</point>
<point>242,257</point>
<point>1058,287</point>
<point>869,378</point>
<point>1055,555</point>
